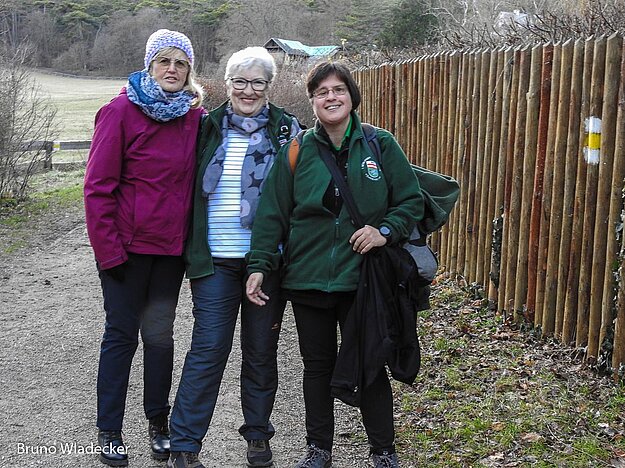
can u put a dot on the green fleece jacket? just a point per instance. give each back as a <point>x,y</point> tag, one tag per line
<point>197,255</point>
<point>317,254</point>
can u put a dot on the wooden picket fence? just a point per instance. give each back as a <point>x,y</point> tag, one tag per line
<point>536,138</point>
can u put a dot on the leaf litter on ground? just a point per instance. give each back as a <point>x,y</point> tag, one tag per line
<point>491,394</point>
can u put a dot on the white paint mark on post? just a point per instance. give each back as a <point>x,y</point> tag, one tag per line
<point>592,147</point>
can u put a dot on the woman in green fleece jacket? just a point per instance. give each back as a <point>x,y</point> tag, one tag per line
<point>301,209</point>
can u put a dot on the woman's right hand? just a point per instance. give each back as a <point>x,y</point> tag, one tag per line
<point>252,289</point>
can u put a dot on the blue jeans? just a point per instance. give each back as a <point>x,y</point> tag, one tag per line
<point>144,301</point>
<point>216,302</point>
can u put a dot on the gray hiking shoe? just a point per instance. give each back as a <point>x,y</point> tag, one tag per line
<point>184,460</point>
<point>385,460</point>
<point>315,457</point>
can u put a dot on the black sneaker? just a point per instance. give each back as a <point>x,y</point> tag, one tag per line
<point>259,453</point>
<point>385,460</point>
<point>315,458</point>
<point>184,460</point>
<point>113,452</point>
<point>158,431</point>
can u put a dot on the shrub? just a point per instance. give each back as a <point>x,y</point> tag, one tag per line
<point>28,117</point>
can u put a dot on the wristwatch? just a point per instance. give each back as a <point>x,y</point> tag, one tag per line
<point>385,231</point>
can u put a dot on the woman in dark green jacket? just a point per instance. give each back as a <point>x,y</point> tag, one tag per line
<point>302,210</point>
<point>237,146</point>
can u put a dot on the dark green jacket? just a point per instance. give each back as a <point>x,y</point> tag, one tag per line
<point>197,255</point>
<point>317,253</point>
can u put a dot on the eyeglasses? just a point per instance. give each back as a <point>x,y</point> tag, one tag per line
<point>324,92</point>
<point>241,83</point>
<point>180,65</point>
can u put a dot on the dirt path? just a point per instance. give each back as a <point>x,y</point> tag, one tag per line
<point>52,314</point>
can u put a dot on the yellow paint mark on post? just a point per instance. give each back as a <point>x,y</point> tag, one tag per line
<point>592,146</point>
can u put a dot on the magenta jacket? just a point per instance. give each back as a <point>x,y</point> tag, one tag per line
<point>139,182</point>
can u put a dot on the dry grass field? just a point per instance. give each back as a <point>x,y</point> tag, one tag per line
<point>77,101</point>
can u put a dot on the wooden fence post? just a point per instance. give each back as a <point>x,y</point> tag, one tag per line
<point>493,134</point>
<point>616,208</point>
<point>498,262</point>
<point>542,208</point>
<point>590,201</point>
<point>611,78</point>
<point>568,270</point>
<point>483,164</point>
<point>579,194</point>
<point>537,196</point>
<point>450,155</point>
<point>506,289</point>
<point>550,314</point>
<point>526,179</point>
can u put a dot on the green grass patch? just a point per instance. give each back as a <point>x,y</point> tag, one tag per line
<point>54,195</point>
<point>62,196</point>
<point>490,395</point>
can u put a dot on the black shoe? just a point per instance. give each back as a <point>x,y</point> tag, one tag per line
<point>184,460</point>
<point>385,460</point>
<point>259,453</point>
<point>315,458</point>
<point>158,431</point>
<point>113,451</point>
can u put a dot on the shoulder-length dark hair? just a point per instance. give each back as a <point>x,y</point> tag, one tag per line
<point>323,70</point>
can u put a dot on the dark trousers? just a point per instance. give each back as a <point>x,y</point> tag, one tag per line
<point>144,301</point>
<point>317,331</point>
<point>216,302</point>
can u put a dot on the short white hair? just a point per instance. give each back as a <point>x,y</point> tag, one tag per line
<point>251,57</point>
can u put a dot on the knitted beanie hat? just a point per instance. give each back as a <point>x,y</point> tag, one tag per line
<point>166,38</point>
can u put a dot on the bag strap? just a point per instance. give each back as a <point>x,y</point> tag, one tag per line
<point>294,149</point>
<point>344,190</point>
<point>285,128</point>
<point>371,136</point>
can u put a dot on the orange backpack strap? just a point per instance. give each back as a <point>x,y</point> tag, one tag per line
<point>294,150</point>
<point>293,153</point>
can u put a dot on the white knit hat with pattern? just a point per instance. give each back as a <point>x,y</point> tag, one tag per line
<point>166,38</point>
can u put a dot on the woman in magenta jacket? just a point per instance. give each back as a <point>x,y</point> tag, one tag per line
<point>138,192</point>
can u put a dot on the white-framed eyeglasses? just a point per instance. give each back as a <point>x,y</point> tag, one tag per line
<point>165,62</point>
<point>323,93</point>
<point>241,83</point>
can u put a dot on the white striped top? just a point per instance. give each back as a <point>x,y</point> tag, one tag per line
<point>226,237</point>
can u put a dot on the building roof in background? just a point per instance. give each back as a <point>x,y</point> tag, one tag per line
<point>507,19</point>
<point>297,48</point>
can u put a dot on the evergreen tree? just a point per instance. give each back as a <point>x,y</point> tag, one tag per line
<point>410,25</point>
<point>364,22</point>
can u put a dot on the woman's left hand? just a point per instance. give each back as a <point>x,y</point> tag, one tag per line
<point>366,238</point>
<point>252,289</point>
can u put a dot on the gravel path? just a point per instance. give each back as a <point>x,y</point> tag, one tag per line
<point>51,307</point>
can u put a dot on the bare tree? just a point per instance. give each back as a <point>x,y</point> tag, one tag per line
<point>28,120</point>
<point>494,23</point>
<point>44,35</point>
<point>118,48</point>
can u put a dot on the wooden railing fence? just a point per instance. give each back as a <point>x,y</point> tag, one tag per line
<point>536,139</point>
<point>50,147</point>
